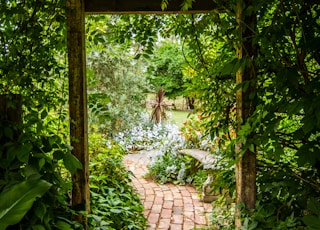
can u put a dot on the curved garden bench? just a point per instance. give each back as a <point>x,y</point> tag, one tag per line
<point>209,162</point>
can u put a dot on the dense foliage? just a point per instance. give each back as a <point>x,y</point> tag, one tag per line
<point>114,203</point>
<point>117,85</point>
<point>36,161</point>
<point>166,68</point>
<point>284,123</point>
<point>34,152</point>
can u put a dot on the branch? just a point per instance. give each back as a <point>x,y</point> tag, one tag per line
<point>203,62</point>
<point>314,185</point>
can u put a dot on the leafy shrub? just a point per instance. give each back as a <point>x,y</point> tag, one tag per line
<point>194,133</point>
<point>170,169</point>
<point>116,85</point>
<point>114,203</point>
<point>283,198</point>
<point>45,161</point>
<point>199,177</point>
<point>222,216</point>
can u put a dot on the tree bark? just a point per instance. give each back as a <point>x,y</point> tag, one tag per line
<point>246,164</point>
<point>11,112</point>
<point>78,104</point>
<point>11,118</point>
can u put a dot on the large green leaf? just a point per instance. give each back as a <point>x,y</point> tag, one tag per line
<point>71,163</point>
<point>18,199</point>
<point>313,222</point>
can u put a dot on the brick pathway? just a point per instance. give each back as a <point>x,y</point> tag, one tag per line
<point>167,206</point>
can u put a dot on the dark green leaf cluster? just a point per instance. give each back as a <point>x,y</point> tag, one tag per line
<point>37,159</point>
<point>33,135</point>
<point>285,123</point>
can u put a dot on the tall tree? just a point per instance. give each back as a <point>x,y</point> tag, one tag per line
<point>166,68</point>
<point>117,84</point>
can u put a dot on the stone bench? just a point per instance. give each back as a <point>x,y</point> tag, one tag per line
<point>207,159</point>
<point>209,162</point>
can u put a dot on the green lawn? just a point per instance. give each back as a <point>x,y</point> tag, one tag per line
<point>175,116</point>
<point>178,117</point>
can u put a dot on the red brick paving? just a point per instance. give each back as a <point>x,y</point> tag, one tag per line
<point>168,206</point>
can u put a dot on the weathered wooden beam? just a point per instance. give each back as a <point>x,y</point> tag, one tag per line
<point>11,112</point>
<point>78,104</point>
<point>246,164</point>
<point>144,6</point>
<point>10,118</point>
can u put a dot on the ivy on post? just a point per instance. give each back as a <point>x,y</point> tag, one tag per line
<point>78,104</point>
<point>246,75</point>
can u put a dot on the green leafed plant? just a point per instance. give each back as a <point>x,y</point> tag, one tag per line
<point>114,203</point>
<point>313,221</point>
<point>32,66</point>
<point>16,200</point>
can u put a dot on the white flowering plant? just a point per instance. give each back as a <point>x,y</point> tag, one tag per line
<point>166,139</point>
<point>148,136</point>
<point>170,169</point>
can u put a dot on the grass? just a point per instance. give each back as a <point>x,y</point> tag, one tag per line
<point>177,117</point>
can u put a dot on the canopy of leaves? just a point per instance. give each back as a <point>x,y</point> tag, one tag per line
<point>166,68</point>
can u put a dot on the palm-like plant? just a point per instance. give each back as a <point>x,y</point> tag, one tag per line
<point>158,113</point>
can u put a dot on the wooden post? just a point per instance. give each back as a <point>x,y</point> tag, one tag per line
<point>78,104</point>
<point>246,164</point>
<point>11,112</point>
<point>11,118</point>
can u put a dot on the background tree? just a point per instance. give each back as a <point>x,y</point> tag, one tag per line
<point>166,68</point>
<point>117,85</point>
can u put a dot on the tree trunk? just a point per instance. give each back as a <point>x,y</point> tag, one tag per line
<point>246,164</point>
<point>78,104</point>
<point>10,118</point>
<point>11,112</point>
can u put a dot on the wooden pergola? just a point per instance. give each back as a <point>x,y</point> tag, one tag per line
<point>76,11</point>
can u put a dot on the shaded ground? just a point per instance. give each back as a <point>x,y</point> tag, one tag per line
<point>167,206</point>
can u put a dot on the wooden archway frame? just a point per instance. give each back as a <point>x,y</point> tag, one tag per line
<point>76,11</point>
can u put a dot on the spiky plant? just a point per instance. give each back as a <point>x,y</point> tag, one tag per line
<point>158,113</point>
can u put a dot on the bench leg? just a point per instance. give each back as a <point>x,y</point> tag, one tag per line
<point>208,195</point>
